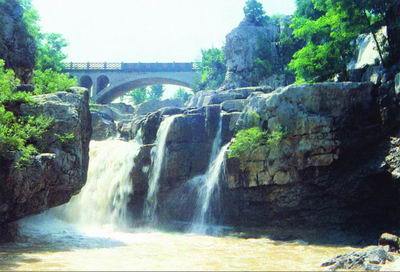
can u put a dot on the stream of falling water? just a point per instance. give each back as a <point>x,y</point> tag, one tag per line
<point>104,198</point>
<point>157,158</point>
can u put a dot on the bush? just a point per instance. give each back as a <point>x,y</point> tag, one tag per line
<point>49,81</point>
<point>211,69</point>
<point>248,140</point>
<point>18,134</point>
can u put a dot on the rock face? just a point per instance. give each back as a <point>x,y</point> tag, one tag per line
<point>17,47</point>
<point>53,177</point>
<point>103,126</point>
<point>333,160</point>
<point>243,47</point>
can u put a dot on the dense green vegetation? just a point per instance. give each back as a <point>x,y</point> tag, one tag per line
<point>18,134</point>
<point>248,140</point>
<point>30,57</point>
<point>211,69</point>
<point>329,29</point>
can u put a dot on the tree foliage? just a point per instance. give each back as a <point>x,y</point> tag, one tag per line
<point>182,95</point>
<point>254,13</point>
<point>211,69</point>
<point>18,134</point>
<point>155,92</point>
<point>138,95</point>
<point>329,27</point>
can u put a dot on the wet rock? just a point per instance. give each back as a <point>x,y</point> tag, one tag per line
<point>390,240</point>
<point>52,178</point>
<point>370,259</point>
<point>234,105</point>
<point>103,126</point>
<point>8,233</point>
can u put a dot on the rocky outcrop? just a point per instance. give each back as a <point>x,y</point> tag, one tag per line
<point>333,159</point>
<point>369,259</point>
<point>52,178</point>
<point>17,46</point>
<point>248,43</point>
<point>103,126</point>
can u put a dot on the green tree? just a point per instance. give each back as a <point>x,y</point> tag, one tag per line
<point>254,13</point>
<point>211,69</point>
<point>328,38</point>
<point>155,92</point>
<point>138,95</point>
<point>182,95</point>
<point>372,15</point>
<point>50,53</point>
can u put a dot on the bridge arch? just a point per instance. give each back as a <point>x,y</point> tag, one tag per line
<point>110,93</point>
<point>102,82</point>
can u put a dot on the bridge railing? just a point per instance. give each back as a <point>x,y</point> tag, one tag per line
<point>93,66</point>
<point>131,67</point>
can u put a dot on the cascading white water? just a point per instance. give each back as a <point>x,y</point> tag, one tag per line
<point>207,184</point>
<point>157,157</point>
<point>104,198</point>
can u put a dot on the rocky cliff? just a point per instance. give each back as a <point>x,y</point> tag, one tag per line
<point>254,56</point>
<point>336,164</point>
<point>52,178</point>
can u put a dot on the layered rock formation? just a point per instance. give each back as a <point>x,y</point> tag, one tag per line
<point>52,178</point>
<point>334,165</point>
<point>337,163</point>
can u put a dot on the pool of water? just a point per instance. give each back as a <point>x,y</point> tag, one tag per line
<point>51,244</point>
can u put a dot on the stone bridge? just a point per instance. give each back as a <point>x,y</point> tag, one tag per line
<point>108,81</point>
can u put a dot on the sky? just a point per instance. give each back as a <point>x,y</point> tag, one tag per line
<point>145,30</point>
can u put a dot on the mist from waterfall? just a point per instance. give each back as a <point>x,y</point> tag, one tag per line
<point>103,200</point>
<point>157,158</point>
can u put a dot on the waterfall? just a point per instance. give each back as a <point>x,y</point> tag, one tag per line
<point>104,198</point>
<point>157,157</point>
<point>208,183</point>
<point>208,188</point>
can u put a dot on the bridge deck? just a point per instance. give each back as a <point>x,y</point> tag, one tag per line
<point>129,67</point>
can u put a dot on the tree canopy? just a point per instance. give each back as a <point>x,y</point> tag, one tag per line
<point>254,13</point>
<point>329,29</point>
<point>211,69</point>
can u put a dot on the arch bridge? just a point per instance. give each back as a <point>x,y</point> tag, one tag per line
<point>108,81</point>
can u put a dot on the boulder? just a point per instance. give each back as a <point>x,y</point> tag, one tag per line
<point>52,178</point>
<point>369,259</point>
<point>103,127</point>
<point>390,240</point>
<point>154,105</point>
<point>234,105</point>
